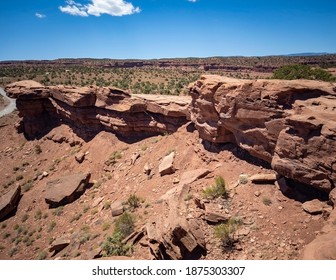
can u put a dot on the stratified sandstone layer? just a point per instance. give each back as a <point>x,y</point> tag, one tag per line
<point>90,110</point>
<point>290,124</point>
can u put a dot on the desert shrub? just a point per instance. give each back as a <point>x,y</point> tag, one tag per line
<point>38,149</point>
<point>113,245</point>
<point>267,201</point>
<point>218,189</point>
<point>297,71</point>
<point>133,201</point>
<point>58,211</point>
<point>113,158</point>
<point>225,231</point>
<point>42,255</point>
<point>124,224</point>
<point>51,226</point>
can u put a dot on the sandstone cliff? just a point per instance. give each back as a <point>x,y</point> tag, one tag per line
<point>89,110</point>
<point>289,124</point>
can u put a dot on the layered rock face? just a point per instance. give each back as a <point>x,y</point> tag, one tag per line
<point>92,109</point>
<point>290,124</point>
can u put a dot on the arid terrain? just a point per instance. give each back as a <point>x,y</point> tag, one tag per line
<point>224,169</point>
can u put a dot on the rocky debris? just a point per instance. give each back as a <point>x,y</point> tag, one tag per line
<point>9,201</point>
<point>172,236</point>
<point>332,197</point>
<point>134,157</point>
<point>191,176</point>
<point>323,247</point>
<point>313,207</point>
<point>147,169</point>
<point>257,193</point>
<point>167,165</point>
<point>263,178</point>
<point>199,203</point>
<point>43,175</point>
<point>58,245</point>
<point>215,218</point>
<point>80,157</point>
<point>92,109</point>
<point>65,189</point>
<point>117,208</point>
<point>289,124</point>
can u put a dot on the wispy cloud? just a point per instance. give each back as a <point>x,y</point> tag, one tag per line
<point>38,15</point>
<point>99,7</point>
<point>193,1</point>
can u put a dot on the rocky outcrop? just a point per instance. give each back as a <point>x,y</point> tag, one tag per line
<point>89,110</point>
<point>290,124</point>
<point>66,189</point>
<point>323,247</point>
<point>9,201</point>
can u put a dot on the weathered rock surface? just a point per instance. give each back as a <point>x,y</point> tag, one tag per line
<point>313,207</point>
<point>212,217</point>
<point>167,165</point>
<point>323,247</point>
<point>89,110</point>
<point>65,189</point>
<point>263,178</point>
<point>117,208</point>
<point>172,236</point>
<point>59,244</point>
<point>290,124</point>
<point>332,197</point>
<point>191,176</point>
<point>9,201</point>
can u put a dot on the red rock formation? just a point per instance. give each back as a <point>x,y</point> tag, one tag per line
<point>290,124</point>
<point>92,109</point>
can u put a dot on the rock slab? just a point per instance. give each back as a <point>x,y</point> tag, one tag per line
<point>66,189</point>
<point>9,201</point>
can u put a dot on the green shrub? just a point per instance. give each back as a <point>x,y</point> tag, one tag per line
<point>216,190</point>
<point>42,255</point>
<point>267,201</point>
<point>133,201</point>
<point>297,71</point>
<point>38,149</point>
<point>124,224</point>
<point>113,158</point>
<point>113,245</point>
<point>225,231</point>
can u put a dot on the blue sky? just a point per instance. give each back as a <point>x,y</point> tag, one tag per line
<point>50,29</point>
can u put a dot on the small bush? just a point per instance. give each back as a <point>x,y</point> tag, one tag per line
<point>113,158</point>
<point>58,211</point>
<point>113,245</point>
<point>42,255</point>
<point>27,186</point>
<point>51,226</point>
<point>216,190</point>
<point>24,217</point>
<point>124,224</point>
<point>106,226</point>
<point>76,217</point>
<point>225,232</point>
<point>18,177</point>
<point>133,201</point>
<point>267,201</point>
<point>38,149</point>
<point>13,251</point>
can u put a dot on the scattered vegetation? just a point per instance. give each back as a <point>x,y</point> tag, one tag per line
<point>51,226</point>
<point>42,255</point>
<point>113,245</point>
<point>58,211</point>
<point>113,158</point>
<point>218,189</point>
<point>24,217</point>
<point>76,217</point>
<point>297,71</point>
<point>38,214</point>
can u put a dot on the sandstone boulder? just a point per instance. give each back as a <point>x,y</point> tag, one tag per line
<point>215,218</point>
<point>80,157</point>
<point>58,245</point>
<point>313,207</point>
<point>9,201</point>
<point>191,176</point>
<point>65,189</point>
<point>117,208</point>
<point>167,165</point>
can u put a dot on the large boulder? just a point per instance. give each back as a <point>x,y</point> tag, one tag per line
<point>9,201</point>
<point>290,124</point>
<point>66,189</point>
<point>167,165</point>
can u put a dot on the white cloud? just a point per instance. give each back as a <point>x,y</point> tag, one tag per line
<point>193,1</point>
<point>99,7</point>
<point>40,15</point>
